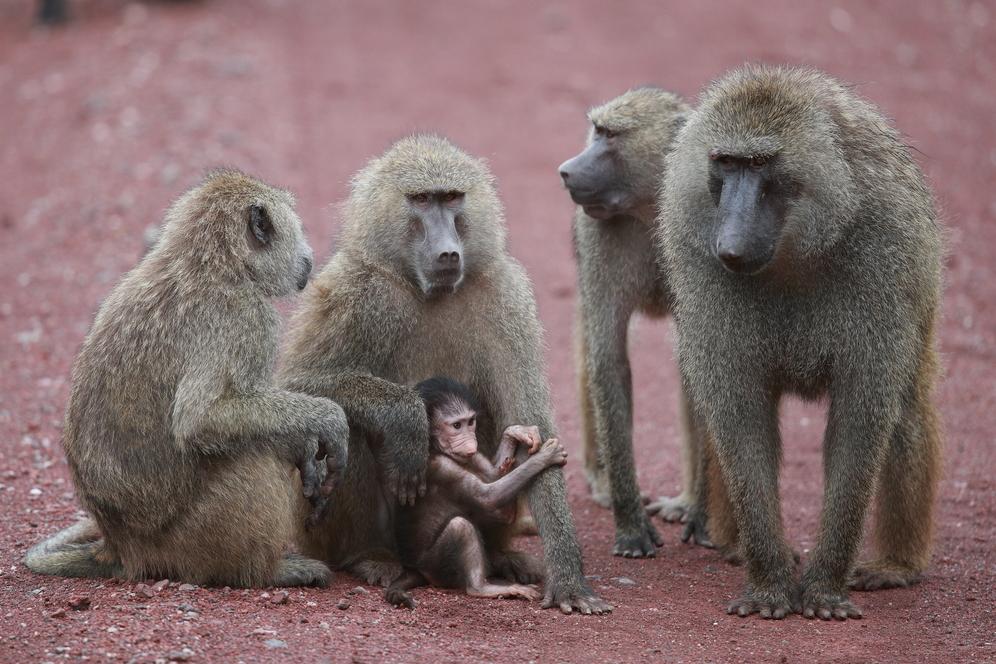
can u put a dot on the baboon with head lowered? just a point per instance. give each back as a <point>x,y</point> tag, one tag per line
<point>614,182</point>
<point>422,286</point>
<point>805,255</point>
<point>180,448</point>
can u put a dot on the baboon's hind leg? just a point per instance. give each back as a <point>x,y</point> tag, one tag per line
<point>904,511</point>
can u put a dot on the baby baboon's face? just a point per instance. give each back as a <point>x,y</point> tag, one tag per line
<point>280,258</point>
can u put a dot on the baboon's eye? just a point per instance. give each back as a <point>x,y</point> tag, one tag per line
<point>419,199</point>
<point>720,158</point>
<point>757,161</point>
<point>605,132</point>
<point>456,425</point>
<point>260,224</point>
<point>451,196</point>
<point>471,421</point>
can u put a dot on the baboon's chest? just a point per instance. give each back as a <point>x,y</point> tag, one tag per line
<point>448,340</point>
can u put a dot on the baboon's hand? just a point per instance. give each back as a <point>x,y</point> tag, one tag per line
<point>571,597</point>
<point>312,472</point>
<point>553,453</point>
<point>697,528</point>
<point>405,466</point>
<point>523,435</point>
<point>639,541</point>
<point>333,448</point>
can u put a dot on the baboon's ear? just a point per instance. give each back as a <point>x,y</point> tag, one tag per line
<point>680,120</point>
<point>260,225</point>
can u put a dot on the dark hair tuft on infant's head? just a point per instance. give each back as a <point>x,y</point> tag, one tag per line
<point>443,394</point>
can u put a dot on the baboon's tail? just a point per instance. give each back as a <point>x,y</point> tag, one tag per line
<point>74,551</point>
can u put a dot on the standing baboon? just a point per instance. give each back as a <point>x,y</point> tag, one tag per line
<point>805,256</point>
<point>614,182</point>
<point>423,286</point>
<point>180,448</point>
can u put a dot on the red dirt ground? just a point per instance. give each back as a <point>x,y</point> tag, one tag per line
<point>106,120</point>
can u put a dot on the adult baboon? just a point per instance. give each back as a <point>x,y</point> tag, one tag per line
<point>614,182</point>
<point>421,286</point>
<point>805,255</point>
<point>180,448</point>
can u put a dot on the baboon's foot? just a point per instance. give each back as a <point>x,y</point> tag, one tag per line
<point>376,572</point>
<point>881,574</point>
<point>517,567</point>
<point>697,529</point>
<point>505,591</point>
<point>598,484</point>
<point>296,570</point>
<point>672,509</point>
<point>826,605</point>
<point>770,603</point>
<point>637,542</point>
<point>732,555</point>
<point>400,598</point>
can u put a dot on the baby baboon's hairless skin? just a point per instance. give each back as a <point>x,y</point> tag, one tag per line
<point>447,538</point>
<point>421,286</point>
<point>180,447</point>
<point>805,255</point>
<point>615,181</point>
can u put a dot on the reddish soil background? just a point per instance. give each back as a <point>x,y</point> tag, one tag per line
<point>105,120</point>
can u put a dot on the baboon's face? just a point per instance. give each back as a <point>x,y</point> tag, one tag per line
<point>280,258</point>
<point>751,195</point>
<point>436,252</point>
<point>454,431</point>
<point>597,178</point>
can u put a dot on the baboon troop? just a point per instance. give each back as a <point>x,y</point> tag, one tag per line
<point>408,435</point>
<point>805,255</point>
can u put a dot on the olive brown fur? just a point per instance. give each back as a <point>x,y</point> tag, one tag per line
<point>383,315</point>
<point>805,255</point>
<point>616,178</point>
<point>180,448</point>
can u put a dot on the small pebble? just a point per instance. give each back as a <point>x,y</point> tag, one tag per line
<point>160,585</point>
<point>79,602</point>
<point>279,597</point>
<point>274,643</point>
<point>58,613</point>
<point>144,590</point>
<point>359,590</point>
<point>187,587</point>
<point>180,655</point>
<point>624,581</point>
<point>343,604</point>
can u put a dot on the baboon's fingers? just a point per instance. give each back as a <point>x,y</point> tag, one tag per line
<point>309,478</point>
<point>333,473</point>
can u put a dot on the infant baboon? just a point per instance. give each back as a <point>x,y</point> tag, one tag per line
<point>803,249</point>
<point>614,182</point>
<point>180,448</point>
<point>423,286</point>
<point>444,538</point>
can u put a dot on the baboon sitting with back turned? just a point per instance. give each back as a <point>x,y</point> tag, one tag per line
<point>805,255</point>
<point>422,286</point>
<point>179,447</point>
<point>614,182</point>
